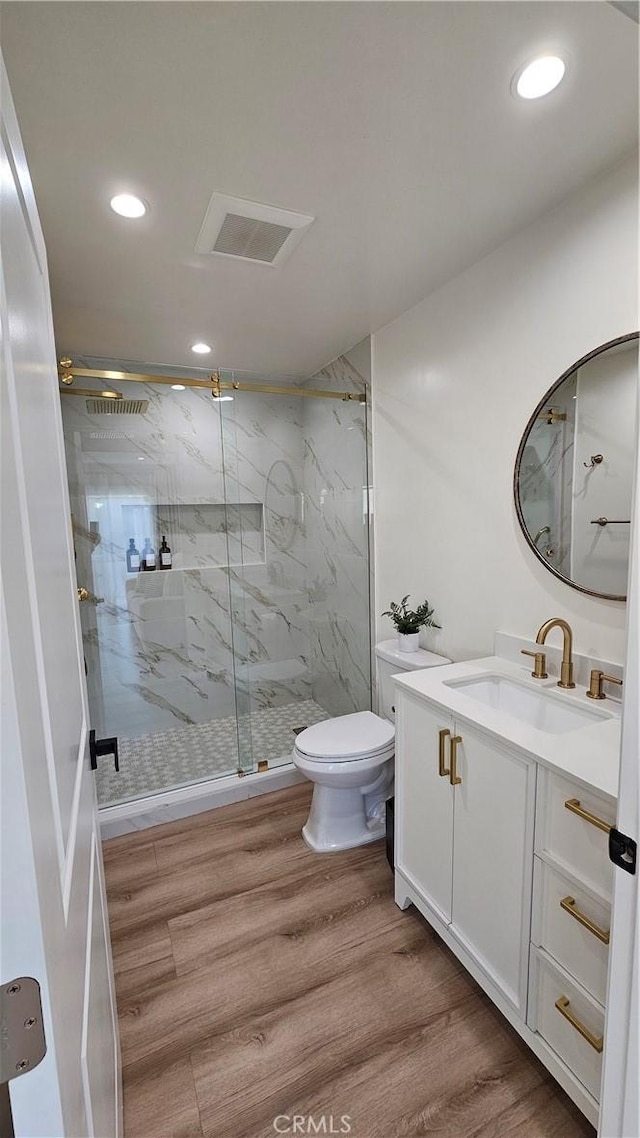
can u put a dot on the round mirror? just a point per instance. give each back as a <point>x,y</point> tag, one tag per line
<point>574,471</point>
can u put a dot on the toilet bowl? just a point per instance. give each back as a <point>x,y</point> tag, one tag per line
<point>345,758</point>
<point>349,759</point>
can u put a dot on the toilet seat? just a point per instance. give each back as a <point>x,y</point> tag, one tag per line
<point>346,738</point>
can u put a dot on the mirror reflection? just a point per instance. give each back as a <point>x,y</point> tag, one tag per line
<point>573,476</point>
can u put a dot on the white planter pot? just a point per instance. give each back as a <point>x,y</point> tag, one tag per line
<point>408,641</point>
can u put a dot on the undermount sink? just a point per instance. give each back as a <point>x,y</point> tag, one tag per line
<point>545,709</point>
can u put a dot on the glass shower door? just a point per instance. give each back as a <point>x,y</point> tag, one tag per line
<point>296,485</point>
<point>157,640</point>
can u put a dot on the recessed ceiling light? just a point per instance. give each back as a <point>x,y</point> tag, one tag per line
<point>224,398</point>
<point>200,348</point>
<point>178,387</point>
<point>140,458</point>
<point>128,205</point>
<point>540,77</point>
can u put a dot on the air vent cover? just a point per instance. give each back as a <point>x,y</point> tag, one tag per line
<point>249,239</point>
<point>117,406</point>
<point>250,231</point>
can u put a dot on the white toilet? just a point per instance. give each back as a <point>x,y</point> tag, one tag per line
<point>350,760</point>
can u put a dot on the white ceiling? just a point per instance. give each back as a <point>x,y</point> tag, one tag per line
<point>391,123</point>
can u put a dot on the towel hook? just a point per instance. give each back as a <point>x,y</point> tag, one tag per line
<point>595,460</point>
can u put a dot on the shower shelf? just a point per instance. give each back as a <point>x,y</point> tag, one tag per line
<point>142,574</point>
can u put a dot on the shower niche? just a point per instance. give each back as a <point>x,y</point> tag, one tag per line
<point>201,535</point>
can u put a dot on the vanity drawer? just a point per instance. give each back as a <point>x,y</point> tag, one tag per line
<point>578,843</point>
<point>572,927</point>
<point>570,1021</point>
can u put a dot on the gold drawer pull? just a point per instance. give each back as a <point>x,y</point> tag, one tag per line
<point>442,739</point>
<point>595,1041</point>
<point>454,777</point>
<point>573,804</point>
<point>569,906</point>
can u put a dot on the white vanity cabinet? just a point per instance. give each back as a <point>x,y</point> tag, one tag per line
<point>507,858</point>
<point>464,839</point>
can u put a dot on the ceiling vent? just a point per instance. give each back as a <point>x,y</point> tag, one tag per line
<point>117,406</point>
<point>249,231</point>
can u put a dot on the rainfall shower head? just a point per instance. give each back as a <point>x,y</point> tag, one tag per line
<point>117,406</point>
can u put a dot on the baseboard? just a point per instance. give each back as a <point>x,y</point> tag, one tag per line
<point>171,805</point>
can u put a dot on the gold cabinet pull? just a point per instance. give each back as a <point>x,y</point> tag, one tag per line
<point>442,739</point>
<point>454,777</point>
<point>573,804</point>
<point>564,1007</point>
<point>570,907</point>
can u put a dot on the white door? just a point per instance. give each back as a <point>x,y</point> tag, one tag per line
<point>492,860</point>
<point>424,802</point>
<point>54,923</point>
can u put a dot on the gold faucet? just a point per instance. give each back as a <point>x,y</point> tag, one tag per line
<point>566,668</point>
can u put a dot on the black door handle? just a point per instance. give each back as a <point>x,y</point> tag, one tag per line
<point>98,748</point>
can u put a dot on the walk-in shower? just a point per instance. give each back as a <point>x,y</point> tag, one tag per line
<point>258,623</point>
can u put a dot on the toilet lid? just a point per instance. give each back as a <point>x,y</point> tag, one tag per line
<point>346,737</point>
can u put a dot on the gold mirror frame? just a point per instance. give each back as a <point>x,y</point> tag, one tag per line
<point>516,473</point>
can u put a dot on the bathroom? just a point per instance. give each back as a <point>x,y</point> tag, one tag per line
<point>265,480</point>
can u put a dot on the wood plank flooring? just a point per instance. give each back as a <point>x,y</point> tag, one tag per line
<point>256,979</point>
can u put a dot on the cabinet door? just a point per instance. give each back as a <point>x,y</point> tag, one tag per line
<point>492,860</point>
<point>424,802</point>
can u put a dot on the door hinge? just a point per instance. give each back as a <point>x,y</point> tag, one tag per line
<point>22,1041</point>
<point>622,850</point>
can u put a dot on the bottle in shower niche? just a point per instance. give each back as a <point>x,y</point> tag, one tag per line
<point>133,557</point>
<point>148,563</point>
<point>165,554</point>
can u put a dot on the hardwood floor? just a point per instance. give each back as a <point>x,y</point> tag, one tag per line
<point>256,979</point>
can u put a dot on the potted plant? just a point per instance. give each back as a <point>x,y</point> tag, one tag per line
<point>408,622</point>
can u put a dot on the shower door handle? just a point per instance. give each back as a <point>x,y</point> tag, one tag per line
<point>98,748</point>
<point>86,595</point>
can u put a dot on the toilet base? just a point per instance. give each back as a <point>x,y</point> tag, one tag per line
<point>337,821</point>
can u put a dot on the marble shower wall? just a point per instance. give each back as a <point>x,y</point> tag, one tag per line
<point>260,499</point>
<point>339,537</point>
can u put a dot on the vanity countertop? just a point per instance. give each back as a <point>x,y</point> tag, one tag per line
<point>590,755</point>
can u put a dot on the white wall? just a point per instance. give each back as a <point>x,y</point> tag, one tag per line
<point>454,382</point>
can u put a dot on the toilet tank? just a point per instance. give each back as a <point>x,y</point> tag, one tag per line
<point>389,661</point>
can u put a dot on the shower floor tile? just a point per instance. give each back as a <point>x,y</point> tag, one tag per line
<point>202,751</point>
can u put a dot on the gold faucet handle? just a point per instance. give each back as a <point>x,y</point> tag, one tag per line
<point>540,664</point>
<point>596,681</point>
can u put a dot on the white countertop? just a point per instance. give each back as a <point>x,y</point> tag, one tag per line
<point>589,754</point>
